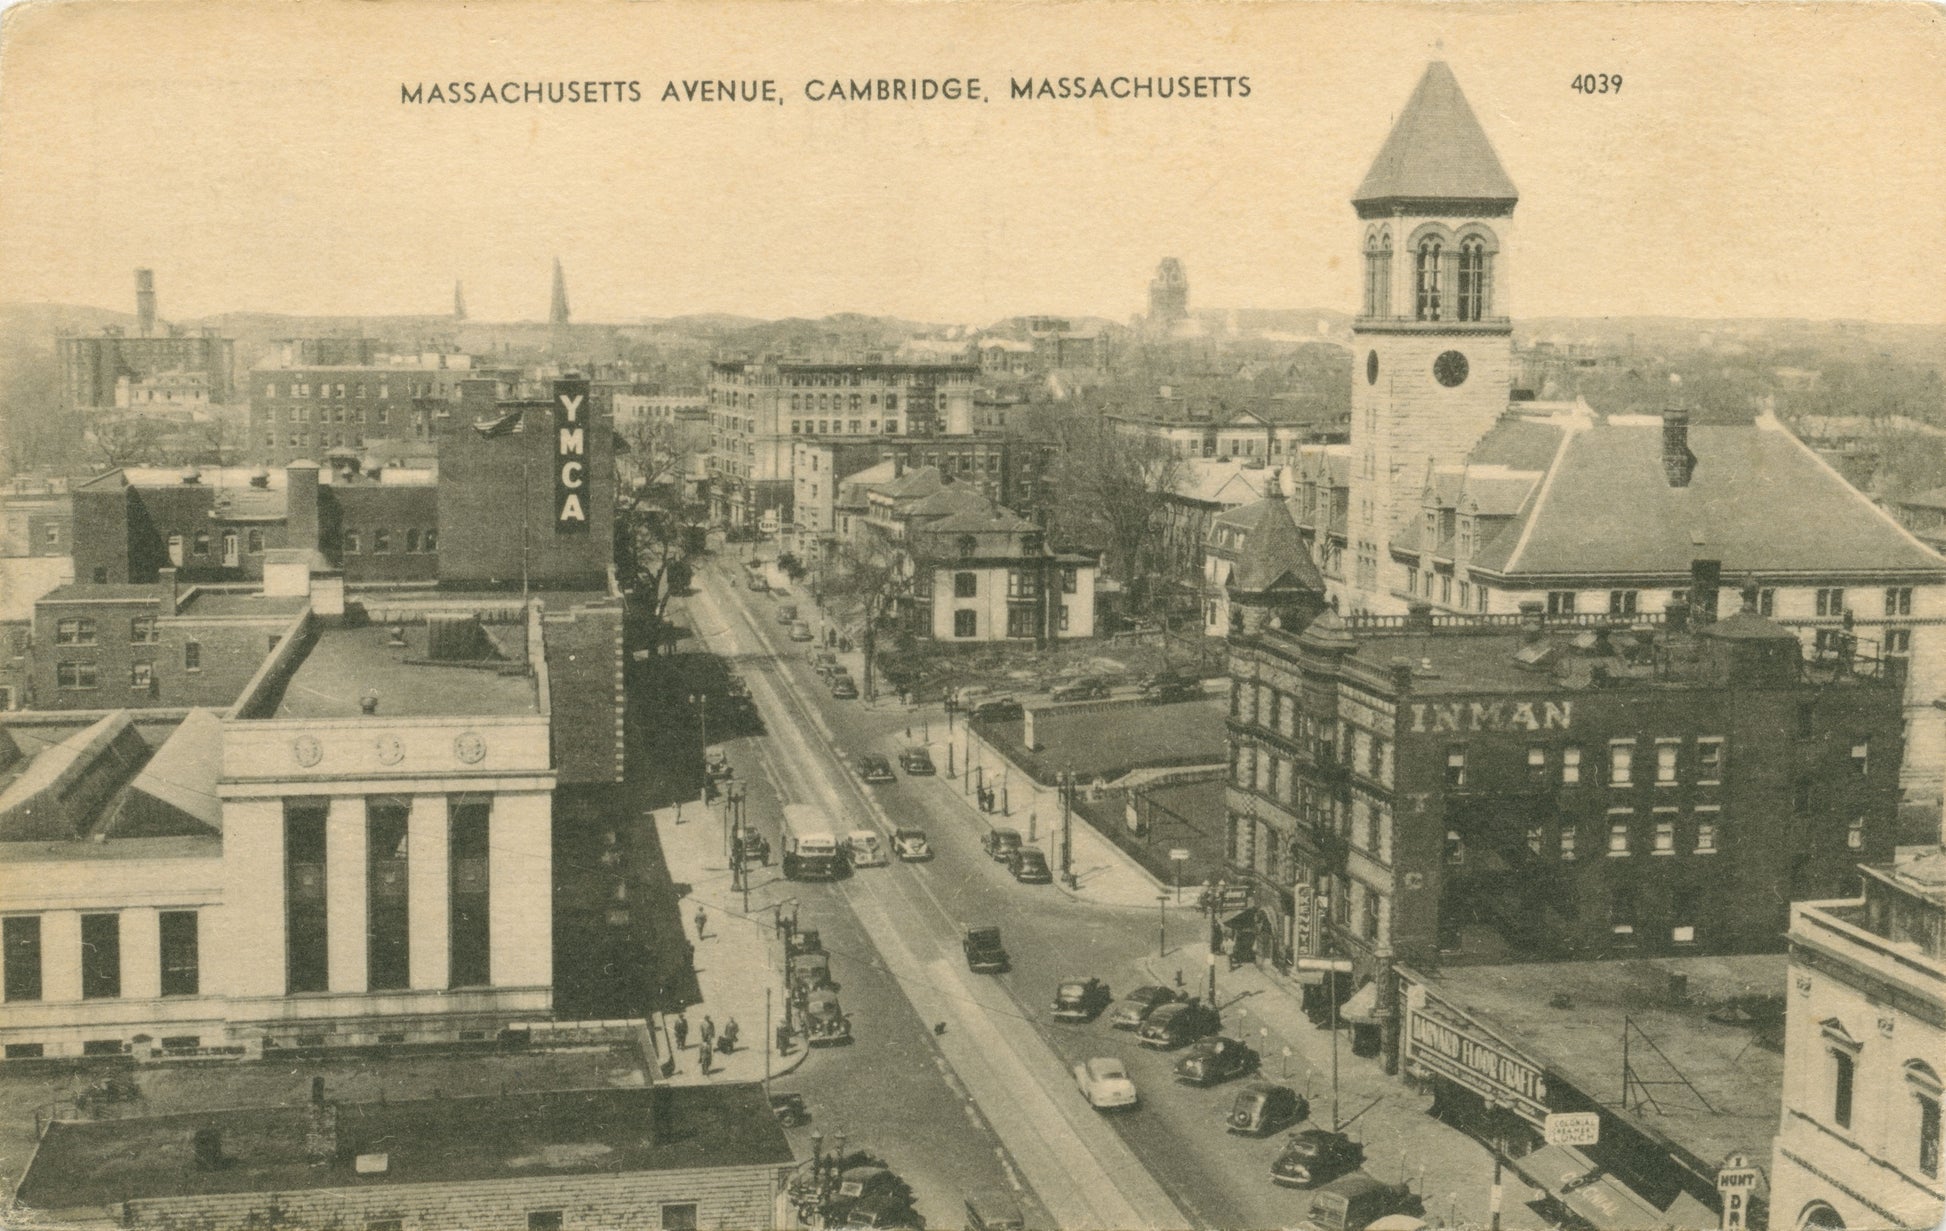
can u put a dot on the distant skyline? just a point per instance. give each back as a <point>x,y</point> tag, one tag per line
<point>1758,162</point>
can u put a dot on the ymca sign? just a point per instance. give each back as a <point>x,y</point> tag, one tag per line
<point>571,422</point>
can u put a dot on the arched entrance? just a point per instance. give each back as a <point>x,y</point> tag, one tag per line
<point>1819,1216</point>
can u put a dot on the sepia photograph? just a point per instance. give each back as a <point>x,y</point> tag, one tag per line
<point>1087,616</point>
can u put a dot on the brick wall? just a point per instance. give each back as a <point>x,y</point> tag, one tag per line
<point>584,670</point>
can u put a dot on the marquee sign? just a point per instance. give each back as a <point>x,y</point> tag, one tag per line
<point>1486,716</point>
<point>571,422</point>
<point>1480,1066</point>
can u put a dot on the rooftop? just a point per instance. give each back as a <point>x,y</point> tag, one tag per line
<point>1436,151</point>
<point>345,664</point>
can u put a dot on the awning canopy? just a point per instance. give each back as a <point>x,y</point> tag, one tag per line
<point>1242,921</point>
<point>1362,1008</point>
<point>1576,1182</point>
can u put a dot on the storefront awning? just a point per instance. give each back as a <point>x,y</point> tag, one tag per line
<point>1362,1008</point>
<point>1242,921</point>
<point>1576,1182</point>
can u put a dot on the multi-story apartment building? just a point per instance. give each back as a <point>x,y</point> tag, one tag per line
<point>116,368</point>
<point>1864,1042</point>
<point>988,575</point>
<point>304,407</point>
<point>757,406</point>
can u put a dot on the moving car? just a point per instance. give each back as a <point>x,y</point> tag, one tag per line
<point>993,1210</point>
<point>917,762</point>
<point>1029,867</point>
<point>1000,844</point>
<point>1314,1156</point>
<point>865,849</point>
<point>1105,1083</point>
<point>984,952</point>
<point>1356,1201</point>
<point>1088,688</point>
<point>1133,1009</point>
<point>749,846</point>
<point>1173,688</point>
<point>1079,1000</point>
<point>1263,1107</point>
<point>999,709</point>
<point>1172,1025</point>
<point>911,844</point>
<point>1214,1059</point>
<point>843,689</point>
<point>875,768</point>
<point>800,631</point>
<point>825,1023</point>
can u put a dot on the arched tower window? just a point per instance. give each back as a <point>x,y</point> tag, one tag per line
<point>1378,274</point>
<point>1426,278</point>
<point>1475,279</point>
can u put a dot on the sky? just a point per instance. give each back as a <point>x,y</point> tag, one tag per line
<point>1757,160</point>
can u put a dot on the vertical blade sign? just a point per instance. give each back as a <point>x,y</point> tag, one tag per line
<point>571,487</point>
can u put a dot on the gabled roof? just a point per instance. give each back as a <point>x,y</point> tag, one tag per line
<point>1437,151</point>
<point>56,796</point>
<point>923,481</point>
<point>1248,517</point>
<point>954,498</point>
<point>175,794</point>
<point>1273,556</point>
<point>1210,481</point>
<point>1497,494</point>
<point>1760,501</point>
<point>994,521</point>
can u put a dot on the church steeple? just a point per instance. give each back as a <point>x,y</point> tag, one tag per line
<point>1437,153</point>
<point>557,309</point>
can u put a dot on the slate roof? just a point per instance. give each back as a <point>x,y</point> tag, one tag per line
<point>1437,150</point>
<point>1760,501</point>
<point>948,501</point>
<point>920,482</point>
<point>1273,555</point>
<point>1209,481</point>
<point>997,520</point>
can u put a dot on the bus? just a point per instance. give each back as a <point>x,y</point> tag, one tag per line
<point>810,845</point>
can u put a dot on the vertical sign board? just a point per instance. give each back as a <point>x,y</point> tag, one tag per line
<point>1736,1182</point>
<point>1301,911</point>
<point>571,425</point>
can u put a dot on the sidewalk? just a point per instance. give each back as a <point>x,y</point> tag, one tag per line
<point>737,959</point>
<point>1451,1171</point>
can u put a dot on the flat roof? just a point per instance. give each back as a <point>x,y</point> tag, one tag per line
<point>237,603</point>
<point>346,663</point>
<point>1738,1082</point>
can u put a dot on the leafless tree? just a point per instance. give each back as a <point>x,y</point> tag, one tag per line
<point>664,520</point>
<point>872,580</point>
<point>129,440</point>
<point>1110,491</point>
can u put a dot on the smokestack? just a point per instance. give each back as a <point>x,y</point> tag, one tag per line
<point>1705,579</point>
<point>1678,463</point>
<point>144,303</point>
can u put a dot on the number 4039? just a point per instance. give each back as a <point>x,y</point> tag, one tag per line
<point>1597,83</point>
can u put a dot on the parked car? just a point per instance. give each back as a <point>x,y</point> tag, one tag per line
<point>800,631</point>
<point>917,762</point>
<point>875,768</point>
<point>804,940</point>
<point>1214,1059</point>
<point>911,844</point>
<point>1088,688</point>
<point>1133,1009</point>
<point>857,1185</point>
<point>716,763</point>
<point>1029,867</point>
<point>790,1110</point>
<point>1263,1107</point>
<point>999,709</point>
<point>1000,844</point>
<point>993,1210</point>
<point>809,971</point>
<point>1173,1025</point>
<point>1080,1000</point>
<point>865,849</point>
<point>756,583</point>
<point>1105,1083</point>
<point>825,1023</point>
<point>1315,1156</point>
<point>1173,688</point>
<point>843,689</point>
<point>787,613</point>
<point>749,846</point>
<point>1356,1201</point>
<point>984,952</point>
<point>883,1213</point>
<point>822,661</point>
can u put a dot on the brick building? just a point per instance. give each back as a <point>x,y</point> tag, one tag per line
<point>659,1159</point>
<point>317,395</point>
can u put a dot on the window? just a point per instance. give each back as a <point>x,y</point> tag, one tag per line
<point>1709,761</point>
<point>200,543</point>
<point>430,540</point>
<point>1843,1068</point>
<point>381,541</point>
<point>78,631</point>
<point>1570,765</point>
<point>1621,911</point>
<point>1368,921</point>
<point>1567,844</point>
<point>75,675</point>
<point>1621,763</point>
<point>1926,1087</point>
<point>1621,602</point>
<point>1855,833</point>
<point>141,630</point>
<point>1475,269</point>
<point>1861,755</point>
<point>544,1220</point>
<point>966,623</point>
<point>1898,600</point>
<point>1898,641</point>
<point>1536,836</point>
<point>1665,837</point>
<point>1706,834</point>
<point>1831,602</point>
<point>1618,838</point>
<point>1020,622</point>
<point>679,1217</point>
<point>1560,602</point>
<point>175,545</point>
<point>1064,617</point>
<point>192,656</point>
<point>141,676</point>
<point>1426,272</point>
<point>253,542</point>
<point>1682,916</point>
<point>305,963</point>
<point>387,957</point>
<point>1665,763</point>
<point>1455,848</point>
<point>1766,602</point>
<point>1378,274</point>
<point>101,956</point>
<point>1537,764</point>
<point>966,585</point>
<point>412,536</point>
<point>1068,581</point>
<point>1456,765</point>
<point>20,937</point>
<point>181,973</point>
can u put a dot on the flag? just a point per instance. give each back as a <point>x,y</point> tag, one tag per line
<point>505,425</point>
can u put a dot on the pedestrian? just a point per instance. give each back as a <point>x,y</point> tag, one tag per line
<point>708,1033</point>
<point>730,1035</point>
<point>702,922</point>
<point>703,1058</point>
<point>682,1031</point>
<point>678,812</point>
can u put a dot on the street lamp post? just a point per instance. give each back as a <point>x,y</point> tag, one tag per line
<point>1161,924</point>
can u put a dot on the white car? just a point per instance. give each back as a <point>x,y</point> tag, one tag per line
<point>1105,1083</point>
<point>865,849</point>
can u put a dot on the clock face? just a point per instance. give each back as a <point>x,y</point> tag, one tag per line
<point>1450,369</point>
<point>1371,367</point>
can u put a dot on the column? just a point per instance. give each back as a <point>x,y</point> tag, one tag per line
<point>61,955</point>
<point>521,889</point>
<point>242,941</point>
<point>345,892</point>
<point>429,891</point>
<point>141,953</point>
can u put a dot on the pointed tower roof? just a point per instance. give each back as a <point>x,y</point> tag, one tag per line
<point>1273,556</point>
<point>1437,152</point>
<point>557,311</point>
<point>459,300</point>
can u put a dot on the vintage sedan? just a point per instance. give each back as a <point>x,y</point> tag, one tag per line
<point>1314,1156</point>
<point>1079,1000</point>
<point>1214,1059</point>
<point>1105,1083</point>
<point>917,762</point>
<point>875,768</point>
<point>1133,1009</point>
<point>911,844</point>
<point>1000,844</point>
<point>1173,1025</point>
<point>1029,867</point>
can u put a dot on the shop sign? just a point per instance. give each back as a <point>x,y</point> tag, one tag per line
<point>571,457</point>
<point>1480,1066</point>
<point>1572,1128</point>
<point>1737,1181</point>
<point>1457,717</point>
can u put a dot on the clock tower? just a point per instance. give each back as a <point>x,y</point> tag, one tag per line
<point>1432,343</point>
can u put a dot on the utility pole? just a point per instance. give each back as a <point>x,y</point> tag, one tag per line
<point>1067,827</point>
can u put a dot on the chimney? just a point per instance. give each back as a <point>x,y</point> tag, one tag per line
<point>1532,624</point>
<point>301,504</point>
<point>320,1127</point>
<point>144,303</point>
<point>165,584</point>
<point>1705,579</point>
<point>1678,463</point>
